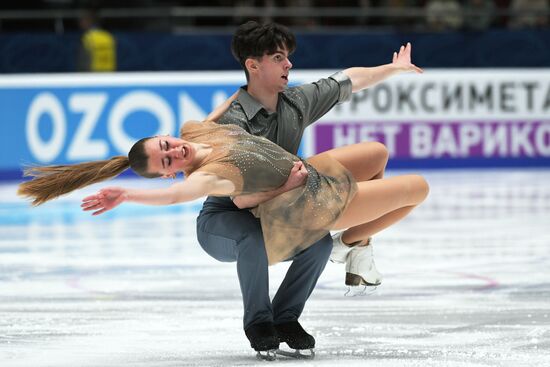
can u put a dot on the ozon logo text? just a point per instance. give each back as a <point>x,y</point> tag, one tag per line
<point>91,106</point>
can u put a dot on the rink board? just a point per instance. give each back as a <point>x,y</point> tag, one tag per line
<point>443,118</point>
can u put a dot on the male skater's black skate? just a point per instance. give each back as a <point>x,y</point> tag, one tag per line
<point>296,338</point>
<point>263,338</point>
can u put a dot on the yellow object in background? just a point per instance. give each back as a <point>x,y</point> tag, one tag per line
<point>100,48</point>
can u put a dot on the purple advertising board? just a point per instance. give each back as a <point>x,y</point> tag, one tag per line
<point>436,143</point>
<point>448,118</point>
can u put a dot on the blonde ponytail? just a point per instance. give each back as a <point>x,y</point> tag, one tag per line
<point>50,182</point>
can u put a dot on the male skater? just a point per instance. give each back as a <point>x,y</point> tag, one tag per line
<point>267,107</point>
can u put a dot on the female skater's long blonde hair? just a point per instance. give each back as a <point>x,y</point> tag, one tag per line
<point>50,182</point>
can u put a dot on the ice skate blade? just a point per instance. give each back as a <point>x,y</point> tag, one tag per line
<point>297,353</point>
<point>267,355</point>
<point>357,280</point>
<point>359,291</point>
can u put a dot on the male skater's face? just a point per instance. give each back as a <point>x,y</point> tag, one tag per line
<point>272,70</point>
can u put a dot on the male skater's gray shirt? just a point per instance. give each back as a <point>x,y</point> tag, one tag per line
<point>297,108</point>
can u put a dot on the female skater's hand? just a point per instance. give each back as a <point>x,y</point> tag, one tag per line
<point>105,199</point>
<point>297,177</point>
<point>403,59</point>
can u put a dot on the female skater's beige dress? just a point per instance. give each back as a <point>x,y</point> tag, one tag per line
<point>292,221</point>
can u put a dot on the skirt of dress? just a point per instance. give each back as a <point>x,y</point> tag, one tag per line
<point>293,221</point>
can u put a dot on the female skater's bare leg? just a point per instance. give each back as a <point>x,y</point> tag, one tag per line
<point>377,205</point>
<point>365,216</point>
<point>366,230</point>
<point>366,161</point>
<point>377,198</point>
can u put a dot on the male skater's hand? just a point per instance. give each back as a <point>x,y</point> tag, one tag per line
<point>297,177</point>
<point>403,59</point>
<point>105,199</point>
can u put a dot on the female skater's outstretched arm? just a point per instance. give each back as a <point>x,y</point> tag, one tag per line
<point>195,186</point>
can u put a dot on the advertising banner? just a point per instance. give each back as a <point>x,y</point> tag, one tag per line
<point>59,119</point>
<point>442,118</point>
<point>449,118</point>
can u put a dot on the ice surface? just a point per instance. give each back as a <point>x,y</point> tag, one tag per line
<point>467,283</point>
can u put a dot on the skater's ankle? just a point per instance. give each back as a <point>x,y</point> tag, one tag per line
<point>360,243</point>
<point>363,243</point>
<point>346,242</point>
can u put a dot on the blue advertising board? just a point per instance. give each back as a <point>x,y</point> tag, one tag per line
<point>67,119</point>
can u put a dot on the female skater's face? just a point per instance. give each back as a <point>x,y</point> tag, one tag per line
<point>168,155</point>
<point>272,70</point>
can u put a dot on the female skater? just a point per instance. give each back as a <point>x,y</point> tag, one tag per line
<point>225,160</point>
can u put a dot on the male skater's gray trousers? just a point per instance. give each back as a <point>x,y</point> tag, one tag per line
<point>229,234</point>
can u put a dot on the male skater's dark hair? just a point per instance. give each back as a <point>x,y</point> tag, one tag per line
<point>254,40</point>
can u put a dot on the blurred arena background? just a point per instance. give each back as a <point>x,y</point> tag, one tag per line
<point>466,276</point>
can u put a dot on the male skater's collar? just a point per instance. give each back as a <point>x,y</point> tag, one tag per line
<point>250,106</point>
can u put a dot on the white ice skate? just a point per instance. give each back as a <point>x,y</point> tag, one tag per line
<point>340,250</point>
<point>360,267</point>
